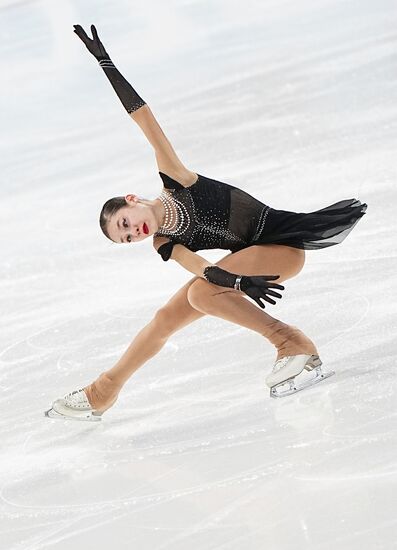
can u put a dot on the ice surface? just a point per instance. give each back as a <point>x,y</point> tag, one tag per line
<point>296,103</point>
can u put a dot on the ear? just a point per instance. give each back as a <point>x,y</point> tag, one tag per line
<point>131,198</point>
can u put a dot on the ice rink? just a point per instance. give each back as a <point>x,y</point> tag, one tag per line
<point>294,102</point>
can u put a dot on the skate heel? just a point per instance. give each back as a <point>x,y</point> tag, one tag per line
<point>313,363</point>
<point>310,375</point>
<point>100,412</point>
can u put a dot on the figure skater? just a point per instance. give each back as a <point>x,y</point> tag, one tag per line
<point>195,212</point>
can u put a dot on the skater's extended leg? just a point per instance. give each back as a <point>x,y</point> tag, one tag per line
<point>173,316</point>
<point>232,305</point>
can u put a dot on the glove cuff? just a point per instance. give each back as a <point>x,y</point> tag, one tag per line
<point>130,99</point>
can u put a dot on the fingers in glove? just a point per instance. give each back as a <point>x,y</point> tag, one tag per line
<point>270,277</point>
<point>78,29</point>
<point>275,294</point>
<point>257,300</point>
<point>257,297</point>
<point>263,295</point>
<point>265,287</point>
<point>273,285</point>
<point>280,287</point>
<point>94,33</point>
<point>269,300</point>
<point>259,280</point>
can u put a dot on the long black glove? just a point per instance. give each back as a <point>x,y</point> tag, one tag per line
<point>128,96</point>
<point>256,287</point>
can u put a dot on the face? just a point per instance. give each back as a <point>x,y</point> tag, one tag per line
<point>132,223</point>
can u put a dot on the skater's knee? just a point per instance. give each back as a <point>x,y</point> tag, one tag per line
<point>198,295</point>
<point>202,295</point>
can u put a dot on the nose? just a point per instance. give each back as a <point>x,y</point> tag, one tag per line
<point>134,231</point>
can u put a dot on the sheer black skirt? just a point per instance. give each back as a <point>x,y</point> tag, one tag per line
<point>310,230</point>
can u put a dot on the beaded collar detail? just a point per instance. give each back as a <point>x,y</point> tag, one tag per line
<point>177,219</point>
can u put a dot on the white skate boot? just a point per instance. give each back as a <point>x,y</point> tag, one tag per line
<point>294,373</point>
<point>75,406</point>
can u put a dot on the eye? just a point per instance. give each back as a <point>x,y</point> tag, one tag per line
<point>129,239</point>
<point>124,223</point>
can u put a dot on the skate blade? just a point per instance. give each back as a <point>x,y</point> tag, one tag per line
<point>291,386</point>
<point>85,416</point>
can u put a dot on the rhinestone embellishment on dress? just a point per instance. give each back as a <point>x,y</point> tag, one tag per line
<point>194,221</point>
<point>177,218</point>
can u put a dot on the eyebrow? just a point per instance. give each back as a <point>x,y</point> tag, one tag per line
<point>118,225</point>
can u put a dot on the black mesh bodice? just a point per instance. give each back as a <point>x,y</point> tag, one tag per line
<point>216,215</point>
<point>213,214</point>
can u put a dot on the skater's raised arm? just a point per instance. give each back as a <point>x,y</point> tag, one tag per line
<point>256,287</point>
<point>166,157</point>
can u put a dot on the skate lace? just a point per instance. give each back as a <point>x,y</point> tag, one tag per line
<point>76,398</point>
<point>280,363</point>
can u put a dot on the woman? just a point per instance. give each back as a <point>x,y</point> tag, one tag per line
<point>195,212</point>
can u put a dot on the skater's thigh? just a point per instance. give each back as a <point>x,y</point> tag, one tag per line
<point>266,259</point>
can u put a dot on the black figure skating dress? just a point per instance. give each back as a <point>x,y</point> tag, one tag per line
<point>213,214</point>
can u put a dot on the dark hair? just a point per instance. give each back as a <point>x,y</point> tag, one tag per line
<point>108,210</point>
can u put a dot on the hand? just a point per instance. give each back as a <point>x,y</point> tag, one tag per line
<point>94,46</point>
<point>257,288</point>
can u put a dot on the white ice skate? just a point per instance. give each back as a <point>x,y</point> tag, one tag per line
<point>74,406</point>
<point>295,373</point>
